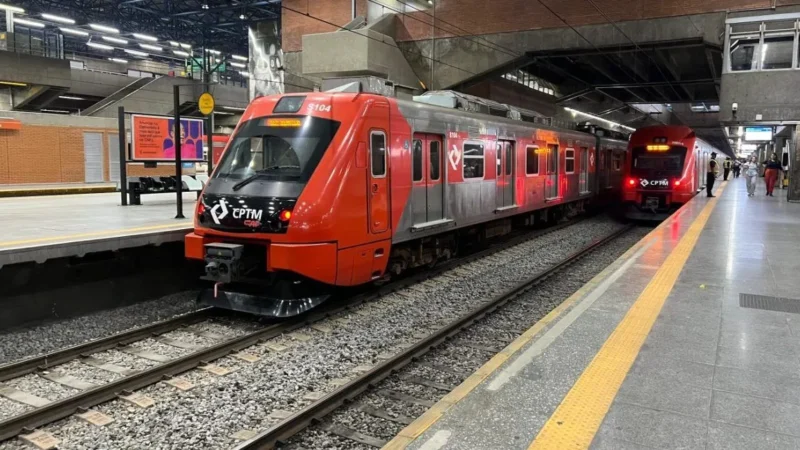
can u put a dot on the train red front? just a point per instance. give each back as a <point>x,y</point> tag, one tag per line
<point>665,170</point>
<point>337,189</point>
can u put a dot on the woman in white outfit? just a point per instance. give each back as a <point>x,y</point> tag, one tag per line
<point>750,169</point>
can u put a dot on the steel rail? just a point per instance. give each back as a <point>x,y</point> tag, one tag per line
<point>318,410</point>
<point>86,399</point>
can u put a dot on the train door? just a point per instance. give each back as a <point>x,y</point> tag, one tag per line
<point>609,164</point>
<point>583,179</point>
<point>552,190</point>
<point>434,176</point>
<point>427,192</point>
<point>504,190</point>
<point>378,184</point>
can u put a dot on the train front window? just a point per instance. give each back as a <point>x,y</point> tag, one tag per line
<point>658,163</point>
<point>281,149</point>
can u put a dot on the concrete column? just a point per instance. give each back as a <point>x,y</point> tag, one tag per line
<point>794,167</point>
<point>9,31</point>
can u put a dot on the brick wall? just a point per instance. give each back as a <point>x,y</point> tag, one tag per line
<point>55,154</point>
<point>470,17</point>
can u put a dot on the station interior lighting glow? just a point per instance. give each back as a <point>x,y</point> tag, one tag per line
<point>145,37</point>
<point>238,65</point>
<point>232,108</point>
<point>58,19</point>
<point>186,46</point>
<point>115,40</point>
<point>154,48</point>
<point>14,9</point>
<point>58,111</point>
<point>613,124</point>
<point>118,60</point>
<point>13,83</point>
<point>74,31</point>
<point>244,73</point>
<point>29,23</point>
<point>136,53</point>
<point>99,46</point>
<point>70,97</point>
<point>97,27</point>
<point>239,57</point>
<point>181,53</point>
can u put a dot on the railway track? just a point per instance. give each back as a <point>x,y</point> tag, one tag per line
<point>89,395</point>
<point>319,410</point>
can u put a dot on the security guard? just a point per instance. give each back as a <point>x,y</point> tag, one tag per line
<point>711,174</point>
<point>726,168</point>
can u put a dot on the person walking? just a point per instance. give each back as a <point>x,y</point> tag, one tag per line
<point>726,165</point>
<point>737,168</point>
<point>711,174</point>
<point>773,167</point>
<point>751,174</point>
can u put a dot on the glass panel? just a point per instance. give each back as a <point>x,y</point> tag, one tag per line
<point>780,25</point>
<point>377,146</point>
<point>777,52</point>
<point>744,53</point>
<point>532,161</point>
<point>499,158</point>
<point>509,158</point>
<point>746,27</point>
<point>570,157</point>
<point>435,162</point>
<point>473,161</point>
<point>416,159</point>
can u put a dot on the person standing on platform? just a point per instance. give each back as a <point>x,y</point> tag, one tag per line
<point>711,174</point>
<point>727,168</point>
<point>751,174</point>
<point>737,168</point>
<point>773,167</point>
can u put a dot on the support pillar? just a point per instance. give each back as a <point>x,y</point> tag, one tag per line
<point>794,167</point>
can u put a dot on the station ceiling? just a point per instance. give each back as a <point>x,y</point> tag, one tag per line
<point>218,24</point>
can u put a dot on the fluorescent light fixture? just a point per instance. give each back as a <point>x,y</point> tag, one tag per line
<point>186,46</point>
<point>57,111</point>
<point>174,44</point>
<point>97,27</point>
<point>245,73</point>
<point>239,57</point>
<point>145,37</point>
<point>213,52</point>
<point>223,113</point>
<point>181,53</point>
<point>29,23</point>
<point>136,53</point>
<point>70,97</point>
<point>74,31</point>
<point>58,19</point>
<point>154,48</point>
<point>10,8</point>
<point>740,132</point>
<point>118,60</point>
<point>115,40</point>
<point>238,65</point>
<point>13,83</point>
<point>99,46</point>
<point>613,124</point>
<point>232,108</point>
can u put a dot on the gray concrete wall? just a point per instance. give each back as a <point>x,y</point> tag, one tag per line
<point>30,69</point>
<point>774,95</point>
<point>99,84</point>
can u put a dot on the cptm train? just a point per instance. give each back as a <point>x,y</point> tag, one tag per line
<point>666,169</point>
<point>343,189</point>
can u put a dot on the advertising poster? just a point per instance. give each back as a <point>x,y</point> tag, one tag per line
<point>153,139</point>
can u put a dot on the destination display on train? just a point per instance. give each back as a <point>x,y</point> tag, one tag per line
<point>153,139</point>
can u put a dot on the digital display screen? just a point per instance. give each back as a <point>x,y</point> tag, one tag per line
<point>289,104</point>
<point>758,133</point>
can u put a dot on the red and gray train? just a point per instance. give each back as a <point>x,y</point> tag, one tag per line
<point>348,188</point>
<point>666,168</point>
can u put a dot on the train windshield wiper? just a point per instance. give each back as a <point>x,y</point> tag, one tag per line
<point>260,173</point>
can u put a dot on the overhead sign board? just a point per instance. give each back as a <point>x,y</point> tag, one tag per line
<point>758,133</point>
<point>153,139</point>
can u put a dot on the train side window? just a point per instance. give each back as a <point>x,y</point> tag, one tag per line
<point>569,154</point>
<point>509,157</point>
<point>499,158</point>
<point>532,160</point>
<point>377,153</point>
<point>436,163</point>
<point>609,157</point>
<point>617,162</point>
<point>416,160</point>
<point>473,160</point>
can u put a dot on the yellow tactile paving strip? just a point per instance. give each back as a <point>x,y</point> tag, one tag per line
<point>97,234</point>
<point>432,415</point>
<point>576,420</point>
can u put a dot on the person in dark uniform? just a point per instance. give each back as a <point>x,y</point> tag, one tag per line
<point>737,168</point>
<point>726,168</point>
<point>711,174</point>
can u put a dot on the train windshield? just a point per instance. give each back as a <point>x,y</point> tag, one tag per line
<point>277,148</point>
<point>658,163</point>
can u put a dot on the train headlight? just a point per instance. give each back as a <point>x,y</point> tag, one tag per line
<point>285,215</point>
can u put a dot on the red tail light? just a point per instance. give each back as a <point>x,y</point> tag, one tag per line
<point>285,215</point>
<point>201,208</point>
<point>676,183</point>
<point>631,181</point>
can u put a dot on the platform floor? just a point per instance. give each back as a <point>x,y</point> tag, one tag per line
<point>40,228</point>
<point>657,350</point>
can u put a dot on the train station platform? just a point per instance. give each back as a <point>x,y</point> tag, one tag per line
<point>42,228</point>
<point>690,340</point>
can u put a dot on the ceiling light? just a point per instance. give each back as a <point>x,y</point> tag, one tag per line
<point>10,8</point>
<point>59,19</point>
<point>13,83</point>
<point>57,111</point>
<point>204,6</point>
<point>145,37</point>
<point>238,65</point>
<point>70,97</point>
<point>613,124</point>
<point>154,48</point>
<point>244,73</point>
<point>99,46</point>
<point>119,60</point>
<point>213,52</point>
<point>97,27</point>
<point>136,53</point>
<point>29,23</point>
<point>232,108</point>
<point>174,44</point>
<point>186,46</point>
<point>223,113</point>
<point>114,40</point>
<point>181,53</point>
<point>239,57</point>
<point>242,17</point>
<point>74,31</point>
